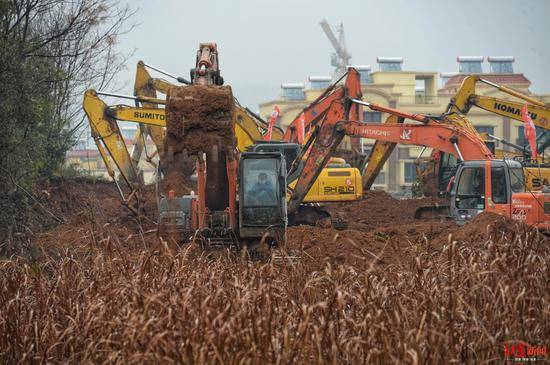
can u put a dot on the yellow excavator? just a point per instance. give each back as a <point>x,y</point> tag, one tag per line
<point>336,183</point>
<point>436,170</point>
<point>249,127</point>
<point>343,184</point>
<point>537,173</point>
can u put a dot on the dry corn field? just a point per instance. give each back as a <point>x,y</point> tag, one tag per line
<point>102,297</point>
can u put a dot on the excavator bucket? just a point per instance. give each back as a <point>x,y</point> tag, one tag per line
<point>199,120</point>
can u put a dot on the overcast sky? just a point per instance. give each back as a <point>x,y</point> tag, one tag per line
<point>263,43</point>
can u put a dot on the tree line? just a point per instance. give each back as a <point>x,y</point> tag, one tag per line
<point>50,52</point>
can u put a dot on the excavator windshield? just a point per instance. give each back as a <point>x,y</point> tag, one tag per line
<point>261,191</point>
<point>470,190</point>
<point>517,179</point>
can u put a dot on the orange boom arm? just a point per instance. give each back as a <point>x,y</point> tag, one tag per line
<point>330,131</point>
<point>315,112</point>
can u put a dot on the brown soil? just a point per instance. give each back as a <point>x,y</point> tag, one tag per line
<point>379,209</point>
<point>197,118</point>
<point>382,230</point>
<point>386,245</point>
<point>490,226</point>
<point>177,181</point>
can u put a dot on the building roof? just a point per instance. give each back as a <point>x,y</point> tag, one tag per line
<point>360,67</point>
<point>319,78</point>
<point>389,59</point>
<point>288,85</point>
<point>496,78</point>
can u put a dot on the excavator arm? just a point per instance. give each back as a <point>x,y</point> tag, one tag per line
<point>145,85</point>
<point>459,106</point>
<point>431,133</point>
<point>466,97</point>
<point>103,122</point>
<point>249,127</point>
<point>314,112</point>
<point>379,154</point>
<point>109,141</point>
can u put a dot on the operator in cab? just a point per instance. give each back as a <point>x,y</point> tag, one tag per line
<point>263,191</point>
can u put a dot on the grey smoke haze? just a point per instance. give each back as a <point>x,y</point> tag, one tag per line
<point>264,43</point>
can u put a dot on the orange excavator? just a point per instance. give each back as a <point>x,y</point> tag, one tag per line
<point>302,126</point>
<point>241,197</point>
<point>438,167</point>
<point>482,183</point>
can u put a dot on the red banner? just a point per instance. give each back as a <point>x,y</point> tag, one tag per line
<point>530,131</point>
<point>301,128</point>
<point>271,122</point>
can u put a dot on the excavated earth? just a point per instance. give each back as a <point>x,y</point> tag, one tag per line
<point>197,118</point>
<point>382,230</point>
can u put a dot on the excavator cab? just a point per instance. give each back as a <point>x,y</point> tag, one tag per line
<point>497,186</point>
<point>337,182</point>
<point>262,196</point>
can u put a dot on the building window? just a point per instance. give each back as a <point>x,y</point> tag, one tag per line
<point>372,117</point>
<point>366,148</point>
<point>293,93</point>
<point>403,153</point>
<point>319,85</point>
<point>319,82</point>
<point>380,178</point>
<point>410,172</point>
<point>485,129</point>
<point>521,137</point>
<point>521,140</point>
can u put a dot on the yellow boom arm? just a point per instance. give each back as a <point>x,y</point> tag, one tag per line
<point>109,140</point>
<point>248,127</point>
<point>466,97</point>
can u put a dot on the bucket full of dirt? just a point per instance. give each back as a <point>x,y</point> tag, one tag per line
<point>199,118</point>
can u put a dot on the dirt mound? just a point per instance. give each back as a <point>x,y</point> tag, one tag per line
<point>387,245</point>
<point>198,117</point>
<point>491,226</point>
<point>379,209</point>
<point>178,182</point>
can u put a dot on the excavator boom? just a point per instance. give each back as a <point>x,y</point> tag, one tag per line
<point>466,97</point>
<point>329,133</point>
<point>314,112</point>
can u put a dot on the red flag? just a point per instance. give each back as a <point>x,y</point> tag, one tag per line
<point>301,128</point>
<point>530,131</point>
<point>271,122</point>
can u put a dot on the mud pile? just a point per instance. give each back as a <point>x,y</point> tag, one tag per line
<point>382,229</point>
<point>383,246</point>
<point>491,226</point>
<point>178,181</point>
<point>197,118</point>
<point>379,209</point>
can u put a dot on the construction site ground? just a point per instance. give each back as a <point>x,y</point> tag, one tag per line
<point>380,225</point>
<point>95,285</point>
